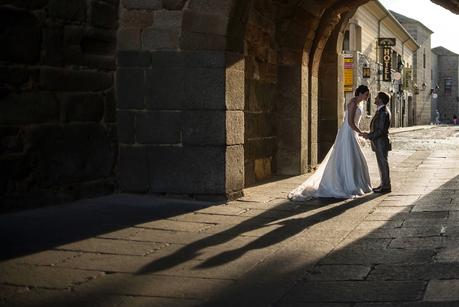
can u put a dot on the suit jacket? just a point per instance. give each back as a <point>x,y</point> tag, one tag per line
<point>379,130</point>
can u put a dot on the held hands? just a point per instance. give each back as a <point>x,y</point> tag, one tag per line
<point>364,135</point>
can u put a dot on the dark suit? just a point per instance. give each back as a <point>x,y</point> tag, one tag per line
<point>380,143</point>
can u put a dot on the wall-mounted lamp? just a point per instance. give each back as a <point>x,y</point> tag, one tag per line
<point>423,86</point>
<point>416,89</point>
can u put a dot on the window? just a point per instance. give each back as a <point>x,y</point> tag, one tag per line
<point>358,38</point>
<point>448,86</point>
<point>346,40</point>
<point>424,59</point>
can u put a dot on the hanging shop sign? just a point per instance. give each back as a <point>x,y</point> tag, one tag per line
<point>348,72</point>
<point>387,57</point>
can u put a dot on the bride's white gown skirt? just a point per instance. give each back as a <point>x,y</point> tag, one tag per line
<point>342,174</point>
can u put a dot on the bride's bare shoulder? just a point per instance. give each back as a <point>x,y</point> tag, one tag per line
<point>351,102</point>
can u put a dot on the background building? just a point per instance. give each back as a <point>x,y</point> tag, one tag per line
<point>420,110</point>
<point>362,48</point>
<point>445,71</point>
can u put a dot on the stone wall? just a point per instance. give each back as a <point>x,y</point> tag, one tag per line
<point>180,100</point>
<point>57,120</point>
<point>260,101</point>
<point>448,67</point>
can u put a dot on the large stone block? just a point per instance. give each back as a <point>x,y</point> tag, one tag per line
<point>17,76</point>
<point>235,127</point>
<point>209,6</point>
<point>100,42</point>
<point>197,21</point>
<point>204,59</point>
<point>187,170</point>
<point>134,58</point>
<point>54,42</point>
<point>167,20</point>
<point>30,4</point>
<point>142,4</point>
<point>165,88</point>
<point>260,148</point>
<point>16,23</point>
<point>110,107</point>
<point>204,127</point>
<point>74,80</point>
<point>129,38</point>
<point>200,41</point>
<point>235,169</point>
<point>126,127</point>
<point>168,59</point>
<point>136,18</point>
<point>29,108</point>
<point>100,62</point>
<point>10,140</point>
<point>158,127</point>
<point>173,4</point>
<point>134,171</point>
<point>235,90</point>
<point>104,15</point>
<point>157,39</point>
<point>85,107</point>
<point>205,88</point>
<point>130,88</point>
<point>70,153</point>
<point>68,10</point>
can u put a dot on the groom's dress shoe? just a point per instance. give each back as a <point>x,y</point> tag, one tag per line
<point>382,190</point>
<point>377,188</point>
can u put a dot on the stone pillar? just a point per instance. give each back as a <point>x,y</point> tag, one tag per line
<point>181,131</point>
<point>292,119</point>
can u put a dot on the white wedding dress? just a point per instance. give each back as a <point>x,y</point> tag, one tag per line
<point>344,171</point>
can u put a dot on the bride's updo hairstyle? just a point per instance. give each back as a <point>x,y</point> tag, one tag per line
<point>361,90</point>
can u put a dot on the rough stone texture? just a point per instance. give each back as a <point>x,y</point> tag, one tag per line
<point>58,107</point>
<point>104,15</point>
<point>162,127</point>
<point>89,156</point>
<point>74,10</point>
<point>82,107</point>
<point>33,108</point>
<point>67,80</point>
<point>135,177</point>
<point>158,39</point>
<point>130,88</point>
<point>142,4</point>
<point>20,23</point>
<point>168,164</point>
<point>260,84</point>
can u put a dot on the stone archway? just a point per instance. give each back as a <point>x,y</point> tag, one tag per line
<point>186,84</point>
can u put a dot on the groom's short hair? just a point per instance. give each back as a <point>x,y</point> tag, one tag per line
<point>384,97</point>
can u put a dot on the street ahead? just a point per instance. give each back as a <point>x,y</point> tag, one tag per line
<point>261,250</point>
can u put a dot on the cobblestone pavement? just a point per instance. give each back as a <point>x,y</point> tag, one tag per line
<point>400,248</point>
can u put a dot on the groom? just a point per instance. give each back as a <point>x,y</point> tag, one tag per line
<point>380,143</point>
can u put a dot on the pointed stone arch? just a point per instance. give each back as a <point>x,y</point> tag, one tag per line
<point>193,72</point>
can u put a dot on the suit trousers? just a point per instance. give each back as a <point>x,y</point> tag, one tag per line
<point>381,151</point>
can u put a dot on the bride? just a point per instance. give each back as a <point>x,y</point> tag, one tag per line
<point>344,172</point>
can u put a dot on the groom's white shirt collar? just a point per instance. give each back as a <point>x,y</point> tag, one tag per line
<point>381,106</point>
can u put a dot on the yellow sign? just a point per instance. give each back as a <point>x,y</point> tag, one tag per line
<point>348,73</point>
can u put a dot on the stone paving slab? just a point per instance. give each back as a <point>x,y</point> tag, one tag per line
<point>44,276</point>
<point>345,291</point>
<point>415,271</point>
<point>396,249</point>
